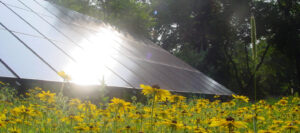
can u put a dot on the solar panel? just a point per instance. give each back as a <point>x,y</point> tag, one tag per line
<point>23,61</point>
<point>40,25</point>
<point>150,78</point>
<point>14,3</point>
<point>13,22</point>
<point>39,39</point>
<point>4,71</point>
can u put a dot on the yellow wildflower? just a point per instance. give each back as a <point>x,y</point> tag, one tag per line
<point>24,111</point>
<point>93,127</point>
<point>2,116</point>
<point>163,114</point>
<point>262,102</point>
<point>74,102</point>
<point>14,130</point>
<point>231,103</point>
<point>177,98</point>
<point>250,117</point>
<point>240,98</point>
<point>64,76</point>
<point>202,103</point>
<point>46,96</point>
<point>119,104</point>
<point>267,131</point>
<point>199,130</point>
<point>81,127</point>
<point>2,123</point>
<point>159,94</point>
<point>147,90</point>
<point>173,124</point>
<point>277,121</point>
<point>87,106</point>
<point>78,118</point>
<point>228,122</point>
<point>216,96</point>
<point>296,111</point>
<point>128,129</point>
<point>290,126</point>
<point>282,102</point>
<point>38,88</point>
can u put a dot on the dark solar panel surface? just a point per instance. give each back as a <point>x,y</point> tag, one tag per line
<point>39,39</point>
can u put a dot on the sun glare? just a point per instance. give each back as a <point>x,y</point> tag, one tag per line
<point>92,59</point>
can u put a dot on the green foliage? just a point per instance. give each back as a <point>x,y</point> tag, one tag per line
<point>82,6</point>
<point>129,15</point>
<point>132,16</point>
<point>7,93</point>
<point>190,55</point>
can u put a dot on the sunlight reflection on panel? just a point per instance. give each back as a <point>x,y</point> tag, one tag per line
<point>93,57</point>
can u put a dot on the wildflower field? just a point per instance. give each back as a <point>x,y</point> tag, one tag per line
<point>43,111</point>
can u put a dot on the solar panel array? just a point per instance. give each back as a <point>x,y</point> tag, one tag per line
<point>39,39</point>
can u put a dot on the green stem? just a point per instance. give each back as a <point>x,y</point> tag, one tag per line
<point>153,103</point>
<point>254,56</point>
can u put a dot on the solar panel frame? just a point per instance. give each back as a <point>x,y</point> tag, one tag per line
<point>5,71</point>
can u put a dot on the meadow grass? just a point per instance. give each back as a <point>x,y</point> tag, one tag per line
<point>44,111</point>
